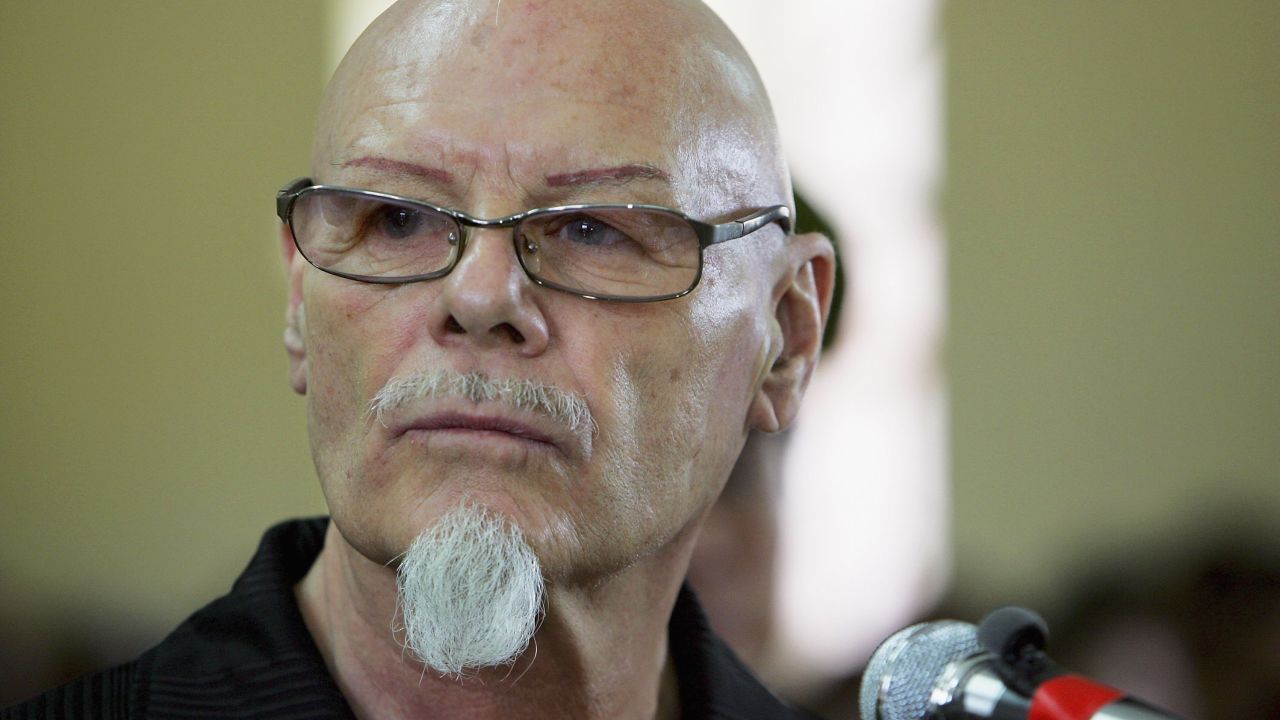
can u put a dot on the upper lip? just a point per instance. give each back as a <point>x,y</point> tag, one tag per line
<point>524,428</point>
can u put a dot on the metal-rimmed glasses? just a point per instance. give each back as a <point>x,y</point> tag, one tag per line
<point>619,252</point>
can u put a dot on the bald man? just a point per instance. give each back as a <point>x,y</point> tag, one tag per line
<point>542,285</point>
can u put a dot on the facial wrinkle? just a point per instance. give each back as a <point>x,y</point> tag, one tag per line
<point>659,463</point>
<point>626,466</point>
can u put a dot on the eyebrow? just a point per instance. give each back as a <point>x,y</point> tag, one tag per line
<point>618,175</point>
<point>400,167</point>
<point>605,176</point>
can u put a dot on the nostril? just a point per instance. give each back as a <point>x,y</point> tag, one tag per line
<point>515,334</point>
<point>451,325</point>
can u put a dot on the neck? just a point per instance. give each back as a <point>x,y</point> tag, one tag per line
<point>600,651</point>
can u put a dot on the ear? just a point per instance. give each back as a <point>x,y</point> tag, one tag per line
<point>295,322</point>
<point>801,301</point>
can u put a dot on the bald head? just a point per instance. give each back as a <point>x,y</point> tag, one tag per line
<point>496,108</point>
<point>515,91</point>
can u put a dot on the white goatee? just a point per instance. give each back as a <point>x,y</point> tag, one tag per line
<point>469,591</point>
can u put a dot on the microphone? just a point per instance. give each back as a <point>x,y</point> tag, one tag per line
<point>951,670</point>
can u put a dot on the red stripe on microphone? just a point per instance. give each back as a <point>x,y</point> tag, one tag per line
<point>1070,697</point>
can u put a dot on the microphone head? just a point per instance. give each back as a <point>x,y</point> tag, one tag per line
<point>1009,632</point>
<point>904,670</point>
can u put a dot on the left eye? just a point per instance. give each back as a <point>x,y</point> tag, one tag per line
<point>591,231</point>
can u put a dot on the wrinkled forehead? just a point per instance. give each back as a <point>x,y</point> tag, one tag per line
<point>582,46</point>
<point>555,86</point>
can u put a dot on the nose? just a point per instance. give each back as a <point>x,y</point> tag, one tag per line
<point>487,301</point>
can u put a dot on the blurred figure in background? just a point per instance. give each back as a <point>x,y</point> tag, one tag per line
<point>733,567</point>
<point>1200,637</point>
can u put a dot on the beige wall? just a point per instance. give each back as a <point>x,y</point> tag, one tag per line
<point>148,432</point>
<point>1113,213</point>
<point>1113,201</point>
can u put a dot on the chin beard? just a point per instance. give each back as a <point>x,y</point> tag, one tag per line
<point>469,590</point>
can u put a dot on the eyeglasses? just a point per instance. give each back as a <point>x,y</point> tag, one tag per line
<point>625,253</point>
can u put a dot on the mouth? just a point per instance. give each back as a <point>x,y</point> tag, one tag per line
<point>475,425</point>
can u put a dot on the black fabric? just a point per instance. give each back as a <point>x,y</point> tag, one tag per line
<point>248,654</point>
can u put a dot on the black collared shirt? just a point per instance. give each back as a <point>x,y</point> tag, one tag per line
<point>248,654</point>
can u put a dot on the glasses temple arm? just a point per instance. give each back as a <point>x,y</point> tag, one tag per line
<point>780,214</point>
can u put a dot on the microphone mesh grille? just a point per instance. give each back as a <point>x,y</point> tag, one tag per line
<point>903,671</point>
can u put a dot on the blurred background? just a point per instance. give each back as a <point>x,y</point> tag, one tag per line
<point>1056,380</point>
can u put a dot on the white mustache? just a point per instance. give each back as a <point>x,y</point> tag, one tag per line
<point>562,406</point>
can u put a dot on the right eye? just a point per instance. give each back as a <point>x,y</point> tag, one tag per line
<point>397,222</point>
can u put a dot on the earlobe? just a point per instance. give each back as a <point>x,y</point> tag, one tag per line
<point>801,302</point>
<point>295,346</point>
<point>295,320</point>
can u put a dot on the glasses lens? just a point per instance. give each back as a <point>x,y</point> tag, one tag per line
<point>615,252</point>
<point>355,234</point>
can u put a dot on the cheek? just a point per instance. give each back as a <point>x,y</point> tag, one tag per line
<point>683,401</point>
<point>352,343</point>
<point>729,328</point>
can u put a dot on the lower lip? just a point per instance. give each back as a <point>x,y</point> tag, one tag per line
<point>473,435</point>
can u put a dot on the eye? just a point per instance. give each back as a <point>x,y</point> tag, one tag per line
<point>586,230</point>
<point>403,224</point>
<point>398,223</point>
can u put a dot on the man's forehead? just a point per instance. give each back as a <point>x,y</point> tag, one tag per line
<point>550,159</point>
<point>608,49</point>
<point>673,55</point>
<point>566,86</point>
